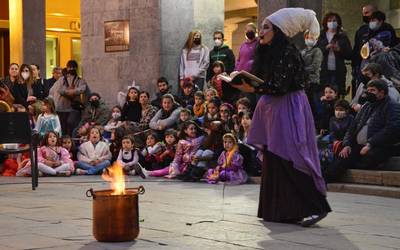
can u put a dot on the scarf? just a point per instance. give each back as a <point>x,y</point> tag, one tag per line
<point>198,110</point>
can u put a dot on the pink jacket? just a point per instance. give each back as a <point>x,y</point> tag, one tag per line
<point>45,153</point>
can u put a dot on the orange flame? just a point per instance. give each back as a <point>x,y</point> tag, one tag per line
<point>115,175</point>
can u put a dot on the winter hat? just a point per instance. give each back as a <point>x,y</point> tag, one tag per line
<point>294,20</point>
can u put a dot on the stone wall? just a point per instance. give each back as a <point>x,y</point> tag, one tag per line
<point>108,73</point>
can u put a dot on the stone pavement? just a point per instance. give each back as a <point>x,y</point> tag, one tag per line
<point>58,216</point>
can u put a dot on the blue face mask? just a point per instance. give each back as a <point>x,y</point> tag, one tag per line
<point>332,25</point>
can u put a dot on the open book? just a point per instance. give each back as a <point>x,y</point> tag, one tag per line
<point>238,77</point>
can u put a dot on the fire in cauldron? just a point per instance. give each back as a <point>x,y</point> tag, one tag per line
<point>115,211</point>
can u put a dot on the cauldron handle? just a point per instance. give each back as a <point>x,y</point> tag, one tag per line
<point>90,193</point>
<point>141,190</point>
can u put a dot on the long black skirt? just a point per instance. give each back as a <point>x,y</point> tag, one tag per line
<point>286,194</point>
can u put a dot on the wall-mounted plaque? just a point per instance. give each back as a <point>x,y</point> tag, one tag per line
<point>116,35</point>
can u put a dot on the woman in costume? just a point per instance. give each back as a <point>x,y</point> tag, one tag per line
<point>292,187</point>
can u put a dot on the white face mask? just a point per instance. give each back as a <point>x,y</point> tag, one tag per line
<point>116,115</point>
<point>25,75</point>
<point>332,25</point>
<point>373,25</point>
<point>310,42</point>
<point>218,42</point>
<point>340,114</point>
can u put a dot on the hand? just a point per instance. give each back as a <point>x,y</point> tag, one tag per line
<point>365,149</point>
<point>56,163</point>
<point>323,131</point>
<point>356,107</point>
<point>329,46</point>
<point>244,87</point>
<point>336,47</point>
<point>31,99</point>
<point>323,98</point>
<point>345,152</point>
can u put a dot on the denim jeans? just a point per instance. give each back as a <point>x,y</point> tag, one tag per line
<point>91,170</point>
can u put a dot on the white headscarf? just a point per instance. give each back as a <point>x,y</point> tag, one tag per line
<point>294,20</point>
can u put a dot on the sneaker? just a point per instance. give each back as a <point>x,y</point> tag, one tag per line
<point>139,170</point>
<point>64,173</point>
<point>132,172</point>
<point>79,171</point>
<point>313,219</point>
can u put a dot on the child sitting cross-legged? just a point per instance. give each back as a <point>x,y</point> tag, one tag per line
<point>94,155</point>
<point>128,157</point>
<point>230,164</point>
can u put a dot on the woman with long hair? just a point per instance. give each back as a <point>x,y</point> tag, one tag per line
<point>194,60</point>
<point>292,187</point>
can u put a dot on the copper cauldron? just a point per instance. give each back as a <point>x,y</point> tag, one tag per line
<point>115,217</point>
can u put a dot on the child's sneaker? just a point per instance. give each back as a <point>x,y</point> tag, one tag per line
<point>140,171</point>
<point>132,172</point>
<point>79,171</point>
<point>64,173</point>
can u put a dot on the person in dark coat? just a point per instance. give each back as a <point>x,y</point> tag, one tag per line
<point>221,52</point>
<point>336,48</point>
<point>372,135</point>
<point>163,88</point>
<point>56,74</point>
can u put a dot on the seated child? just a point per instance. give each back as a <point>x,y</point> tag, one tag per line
<point>184,115</point>
<point>170,141</point>
<point>187,98</point>
<point>199,105</point>
<point>152,151</point>
<point>212,113</point>
<point>128,157</point>
<point>328,101</point>
<point>342,120</point>
<point>94,155</point>
<point>207,154</point>
<point>69,145</point>
<point>54,159</point>
<point>216,83</point>
<point>191,139</point>
<point>113,123</point>
<point>230,164</point>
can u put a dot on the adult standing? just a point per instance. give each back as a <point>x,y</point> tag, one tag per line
<point>194,60</point>
<point>72,98</point>
<point>246,51</point>
<point>246,55</point>
<point>22,89</point>
<point>360,38</point>
<point>292,187</point>
<point>336,48</point>
<point>39,86</point>
<point>7,83</point>
<point>221,52</point>
<point>56,74</point>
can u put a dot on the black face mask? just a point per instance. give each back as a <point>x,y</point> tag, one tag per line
<point>370,97</point>
<point>72,72</point>
<point>197,41</point>
<point>250,35</point>
<point>95,103</point>
<point>366,19</point>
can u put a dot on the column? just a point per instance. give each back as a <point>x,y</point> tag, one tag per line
<point>28,32</point>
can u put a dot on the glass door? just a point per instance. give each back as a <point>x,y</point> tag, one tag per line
<point>52,58</point>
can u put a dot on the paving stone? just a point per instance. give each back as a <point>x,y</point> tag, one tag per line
<point>58,215</point>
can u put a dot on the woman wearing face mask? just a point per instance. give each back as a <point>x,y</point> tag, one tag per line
<point>246,51</point>
<point>22,89</point>
<point>73,91</point>
<point>7,83</point>
<point>292,187</point>
<point>195,58</point>
<point>336,48</point>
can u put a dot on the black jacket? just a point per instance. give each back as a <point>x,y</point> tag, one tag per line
<point>20,94</point>
<point>40,89</point>
<point>343,54</point>
<point>286,75</point>
<point>223,54</point>
<point>383,127</point>
<point>131,111</point>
